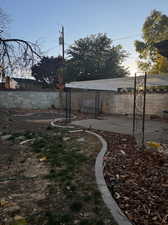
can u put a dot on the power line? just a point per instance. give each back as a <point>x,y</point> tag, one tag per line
<point>52,48</point>
<point>126,37</point>
<point>116,39</point>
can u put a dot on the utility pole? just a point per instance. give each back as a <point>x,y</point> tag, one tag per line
<point>61,42</point>
<point>63,48</point>
<point>61,75</point>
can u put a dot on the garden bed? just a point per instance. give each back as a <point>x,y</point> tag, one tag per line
<point>138,180</point>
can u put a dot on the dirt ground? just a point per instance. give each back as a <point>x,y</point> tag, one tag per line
<point>50,179</point>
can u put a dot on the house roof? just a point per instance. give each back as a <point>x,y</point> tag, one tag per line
<point>116,83</point>
<point>24,80</point>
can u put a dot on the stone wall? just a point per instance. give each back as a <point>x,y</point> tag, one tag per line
<point>110,102</point>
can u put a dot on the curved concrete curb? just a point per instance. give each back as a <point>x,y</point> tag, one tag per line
<point>116,212</point>
<point>111,204</point>
<point>34,113</point>
<point>59,126</point>
<point>22,115</point>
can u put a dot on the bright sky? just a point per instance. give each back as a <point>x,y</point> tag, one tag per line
<point>40,20</point>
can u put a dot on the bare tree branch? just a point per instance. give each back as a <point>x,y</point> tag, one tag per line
<point>20,41</point>
<point>17,53</point>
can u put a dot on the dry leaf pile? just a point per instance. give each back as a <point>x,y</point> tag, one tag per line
<point>138,180</point>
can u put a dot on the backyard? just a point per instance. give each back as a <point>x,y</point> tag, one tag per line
<point>50,179</point>
<point>47,174</point>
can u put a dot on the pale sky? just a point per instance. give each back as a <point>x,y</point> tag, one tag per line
<point>40,20</point>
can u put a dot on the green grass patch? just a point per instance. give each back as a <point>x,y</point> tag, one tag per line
<point>63,157</point>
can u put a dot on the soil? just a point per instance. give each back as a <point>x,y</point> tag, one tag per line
<point>50,179</point>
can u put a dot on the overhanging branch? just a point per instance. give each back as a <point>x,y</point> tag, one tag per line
<point>17,53</point>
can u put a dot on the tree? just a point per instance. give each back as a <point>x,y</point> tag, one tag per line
<point>94,57</point>
<point>155,29</point>
<point>162,48</point>
<point>15,54</point>
<point>47,70</point>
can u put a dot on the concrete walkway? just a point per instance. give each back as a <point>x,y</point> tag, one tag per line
<point>155,130</point>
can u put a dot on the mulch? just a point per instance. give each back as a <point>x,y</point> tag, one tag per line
<point>138,180</point>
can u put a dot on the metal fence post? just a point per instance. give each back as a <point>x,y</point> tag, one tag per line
<point>134,106</point>
<point>143,116</point>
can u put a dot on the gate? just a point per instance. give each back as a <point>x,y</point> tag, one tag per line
<point>89,102</point>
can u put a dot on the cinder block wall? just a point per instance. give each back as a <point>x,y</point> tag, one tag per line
<point>29,99</point>
<point>117,103</point>
<point>123,103</point>
<point>120,103</point>
<point>156,103</point>
<point>110,103</point>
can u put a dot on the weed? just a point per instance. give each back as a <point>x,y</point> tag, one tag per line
<point>87,198</point>
<point>29,134</point>
<point>59,219</point>
<point>76,206</point>
<point>49,127</point>
<point>59,155</point>
<point>15,136</point>
<point>67,171</point>
<point>97,195</point>
<point>87,222</point>
<point>100,222</point>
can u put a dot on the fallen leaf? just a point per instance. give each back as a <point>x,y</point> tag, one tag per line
<point>3,202</point>
<point>43,159</point>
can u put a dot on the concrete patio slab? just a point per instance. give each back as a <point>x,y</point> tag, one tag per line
<point>155,130</point>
